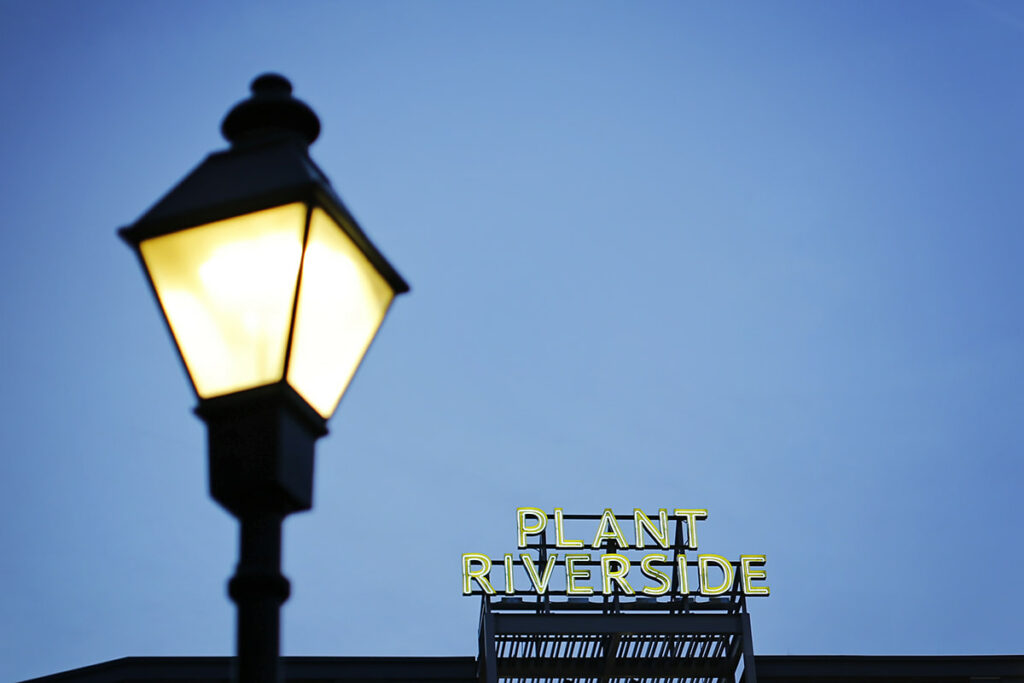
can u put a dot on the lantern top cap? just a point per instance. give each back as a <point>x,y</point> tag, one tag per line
<point>270,110</point>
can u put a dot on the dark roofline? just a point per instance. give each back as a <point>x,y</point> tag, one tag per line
<point>218,669</point>
<point>789,668</point>
<point>889,667</point>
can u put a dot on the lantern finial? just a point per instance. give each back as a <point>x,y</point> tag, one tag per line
<point>271,109</point>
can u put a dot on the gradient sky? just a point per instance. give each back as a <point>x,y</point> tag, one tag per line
<point>761,258</point>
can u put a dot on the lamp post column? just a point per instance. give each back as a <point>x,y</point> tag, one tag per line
<point>259,589</point>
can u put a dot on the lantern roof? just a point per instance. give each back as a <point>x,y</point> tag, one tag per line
<point>267,165</point>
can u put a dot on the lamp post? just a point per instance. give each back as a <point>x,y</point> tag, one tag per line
<point>272,294</point>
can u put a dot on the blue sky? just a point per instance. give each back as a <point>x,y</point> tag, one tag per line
<point>763,259</point>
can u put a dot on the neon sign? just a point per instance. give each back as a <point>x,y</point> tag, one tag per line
<point>608,572</point>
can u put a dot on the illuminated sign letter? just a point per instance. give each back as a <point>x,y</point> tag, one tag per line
<point>541,584</point>
<point>656,574</point>
<point>641,521</point>
<point>702,563</point>
<point>750,574</point>
<point>528,529</point>
<point>560,540</point>
<point>691,524</point>
<point>619,576</point>
<point>510,587</point>
<point>480,575</point>
<point>572,573</point>
<point>609,527</point>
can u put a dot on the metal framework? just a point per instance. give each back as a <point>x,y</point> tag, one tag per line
<point>616,638</point>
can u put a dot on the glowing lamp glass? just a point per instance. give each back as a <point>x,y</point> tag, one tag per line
<point>238,292</point>
<point>341,305</point>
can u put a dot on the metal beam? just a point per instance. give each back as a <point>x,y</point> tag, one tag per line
<point>593,624</point>
<point>598,667</point>
<point>611,647</point>
<point>749,668</point>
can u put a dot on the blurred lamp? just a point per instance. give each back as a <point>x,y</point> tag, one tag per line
<point>272,293</point>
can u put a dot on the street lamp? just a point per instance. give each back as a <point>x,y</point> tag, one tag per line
<point>272,294</point>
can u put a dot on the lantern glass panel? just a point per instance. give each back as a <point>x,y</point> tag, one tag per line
<point>227,289</point>
<point>342,302</point>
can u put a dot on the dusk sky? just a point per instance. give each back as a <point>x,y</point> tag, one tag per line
<point>761,258</point>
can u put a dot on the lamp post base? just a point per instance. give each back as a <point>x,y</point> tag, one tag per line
<point>261,444</point>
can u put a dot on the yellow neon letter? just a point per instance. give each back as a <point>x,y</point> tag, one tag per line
<point>642,521</point>
<point>702,563</point>
<point>572,573</point>
<point>684,581</point>
<point>619,576</point>
<point>560,540</point>
<point>656,574</point>
<point>479,574</point>
<point>609,527</point>
<point>691,524</point>
<point>750,574</point>
<point>524,529</point>
<point>510,587</point>
<point>540,583</point>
